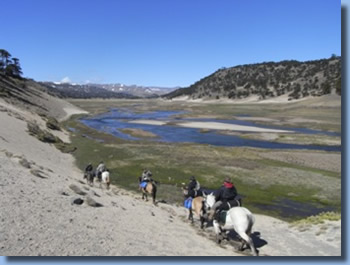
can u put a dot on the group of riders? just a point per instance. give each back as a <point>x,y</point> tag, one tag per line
<point>90,173</point>
<point>225,196</point>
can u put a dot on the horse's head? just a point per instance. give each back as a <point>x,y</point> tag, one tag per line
<point>209,200</point>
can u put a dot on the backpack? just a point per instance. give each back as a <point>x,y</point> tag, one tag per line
<point>143,184</point>
<point>188,203</point>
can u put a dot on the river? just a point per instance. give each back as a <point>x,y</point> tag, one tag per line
<point>117,119</point>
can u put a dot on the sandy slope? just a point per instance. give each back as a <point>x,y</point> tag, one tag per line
<point>37,216</point>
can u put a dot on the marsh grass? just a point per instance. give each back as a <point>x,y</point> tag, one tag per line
<point>317,219</point>
<point>173,164</point>
<point>276,163</point>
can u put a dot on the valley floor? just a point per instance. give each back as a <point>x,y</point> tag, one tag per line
<point>38,184</point>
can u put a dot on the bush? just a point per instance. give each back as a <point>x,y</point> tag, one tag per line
<point>48,137</point>
<point>53,124</point>
<point>319,219</point>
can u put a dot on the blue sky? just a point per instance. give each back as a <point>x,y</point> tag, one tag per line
<point>163,42</point>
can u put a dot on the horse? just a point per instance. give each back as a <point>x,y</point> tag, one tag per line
<point>149,188</point>
<point>89,176</point>
<point>105,179</point>
<point>197,205</point>
<point>239,219</point>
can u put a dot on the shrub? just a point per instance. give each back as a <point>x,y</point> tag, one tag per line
<point>53,124</point>
<point>48,137</point>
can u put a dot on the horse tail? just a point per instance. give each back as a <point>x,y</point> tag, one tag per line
<point>154,192</point>
<point>108,182</point>
<point>249,241</point>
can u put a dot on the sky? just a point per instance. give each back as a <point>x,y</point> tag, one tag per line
<point>163,42</point>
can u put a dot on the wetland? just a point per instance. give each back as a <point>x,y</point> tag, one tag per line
<point>291,171</point>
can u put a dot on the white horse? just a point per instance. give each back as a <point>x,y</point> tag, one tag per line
<point>239,219</point>
<point>105,179</point>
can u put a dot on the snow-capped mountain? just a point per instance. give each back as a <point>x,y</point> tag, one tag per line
<point>117,90</point>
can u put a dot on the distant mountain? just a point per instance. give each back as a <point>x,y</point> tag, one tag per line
<point>268,79</point>
<point>139,91</point>
<point>71,90</point>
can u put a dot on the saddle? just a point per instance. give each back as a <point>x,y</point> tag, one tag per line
<point>222,217</point>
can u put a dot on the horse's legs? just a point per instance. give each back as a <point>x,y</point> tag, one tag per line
<point>217,230</point>
<point>154,195</point>
<point>190,216</point>
<point>202,222</point>
<point>247,240</point>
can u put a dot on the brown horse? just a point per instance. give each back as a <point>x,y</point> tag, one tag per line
<point>198,207</point>
<point>151,188</point>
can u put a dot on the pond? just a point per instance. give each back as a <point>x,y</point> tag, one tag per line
<point>117,119</point>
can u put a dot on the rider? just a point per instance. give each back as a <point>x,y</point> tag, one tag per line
<point>193,187</point>
<point>146,176</point>
<point>100,168</point>
<point>89,168</point>
<point>225,198</point>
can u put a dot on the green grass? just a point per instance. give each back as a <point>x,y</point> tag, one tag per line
<point>276,163</point>
<point>318,219</point>
<point>173,164</point>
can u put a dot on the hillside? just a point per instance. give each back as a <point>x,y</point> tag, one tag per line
<point>268,80</point>
<point>33,97</point>
<point>68,90</point>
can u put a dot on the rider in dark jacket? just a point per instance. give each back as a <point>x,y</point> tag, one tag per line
<point>226,194</point>
<point>193,188</point>
<point>89,168</point>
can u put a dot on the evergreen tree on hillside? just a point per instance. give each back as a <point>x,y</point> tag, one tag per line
<point>5,57</point>
<point>8,66</point>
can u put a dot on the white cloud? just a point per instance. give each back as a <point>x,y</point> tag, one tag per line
<point>66,80</point>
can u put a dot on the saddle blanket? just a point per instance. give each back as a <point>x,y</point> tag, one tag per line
<point>188,203</point>
<point>222,218</point>
<point>143,184</point>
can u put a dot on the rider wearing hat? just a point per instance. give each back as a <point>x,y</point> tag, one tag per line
<point>225,198</point>
<point>193,187</point>
<point>89,168</point>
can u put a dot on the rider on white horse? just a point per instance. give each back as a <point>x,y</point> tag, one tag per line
<point>225,198</point>
<point>100,168</point>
